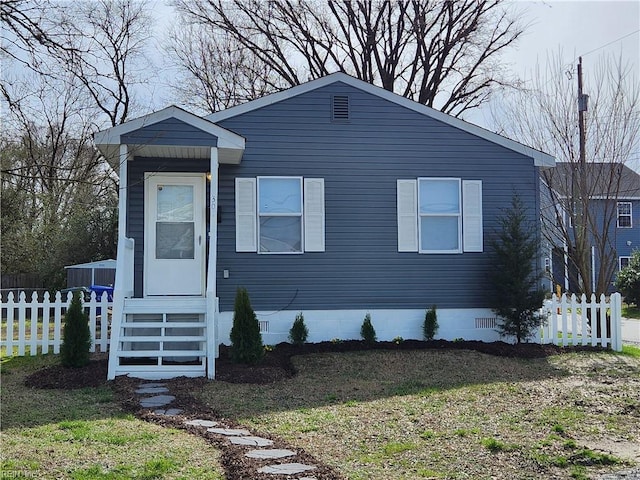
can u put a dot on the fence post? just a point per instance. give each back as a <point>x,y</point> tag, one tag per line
<point>616,321</point>
<point>33,318</point>
<point>92,320</point>
<point>10,314</point>
<point>22,301</point>
<point>45,323</point>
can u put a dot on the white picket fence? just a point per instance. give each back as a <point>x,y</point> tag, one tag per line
<point>38,324</point>
<point>568,321</point>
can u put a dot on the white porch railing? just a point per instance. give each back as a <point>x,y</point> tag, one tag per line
<point>568,321</point>
<point>38,324</point>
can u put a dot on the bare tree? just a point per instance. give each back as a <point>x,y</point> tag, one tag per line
<point>215,72</point>
<point>50,169</point>
<point>579,199</point>
<point>443,54</point>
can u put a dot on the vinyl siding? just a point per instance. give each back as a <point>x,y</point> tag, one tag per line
<point>360,161</point>
<point>170,132</point>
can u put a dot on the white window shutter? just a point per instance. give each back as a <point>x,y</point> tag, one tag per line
<point>314,214</point>
<point>407,204</point>
<point>472,234</point>
<point>246,229</point>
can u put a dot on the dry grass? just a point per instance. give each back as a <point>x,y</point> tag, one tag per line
<point>448,414</point>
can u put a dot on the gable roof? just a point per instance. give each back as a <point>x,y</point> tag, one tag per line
<point>605,180</point>
<point>541,159</point>
<point>230,144</point>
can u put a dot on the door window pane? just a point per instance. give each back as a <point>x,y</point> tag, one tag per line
<point>175,240</point>
<point>175,203</point>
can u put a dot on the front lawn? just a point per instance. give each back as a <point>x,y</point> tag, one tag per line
<point>379,414</point>
<point>450,414</point>
<point>84,434</point>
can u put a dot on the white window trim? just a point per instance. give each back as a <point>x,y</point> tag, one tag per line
<point>630,214</point>
<point>628,259</point>
<point>448,215</point>
<point>298,215</point>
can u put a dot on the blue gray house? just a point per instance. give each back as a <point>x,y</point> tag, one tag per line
<point>613,221</point>
<point>334,198</point>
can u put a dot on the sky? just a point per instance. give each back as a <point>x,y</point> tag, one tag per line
<point>578,27</point>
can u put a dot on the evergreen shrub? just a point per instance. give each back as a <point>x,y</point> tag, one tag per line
<point>367,332</point>
<point>430,326</point>
<point>74,351</point>
<point>246,339</point>
<point>299,332</point>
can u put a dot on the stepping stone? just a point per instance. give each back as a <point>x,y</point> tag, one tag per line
<point>230,432</point>
<point>307,478</point>
<point>152,385</point>
<point>201,423</point>
<point>157,401</point>
<point>251,441</point>
<point>270,453</point>
<point>286,468</point>
<point>169,412</point>
<point>150,390</point>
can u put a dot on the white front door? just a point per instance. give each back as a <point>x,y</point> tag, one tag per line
<point>174,236</point>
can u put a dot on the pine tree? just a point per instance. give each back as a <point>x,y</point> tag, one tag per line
<point>367,332</point>
<point>246,340</point>
<point>76,343</point>
<point>299,332</point>
<point>517,296</point>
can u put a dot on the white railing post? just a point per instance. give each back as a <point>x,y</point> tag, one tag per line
<point>22,301</point>
<point>45,322</point>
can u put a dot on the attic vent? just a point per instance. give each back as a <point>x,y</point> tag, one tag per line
<point>340,108</point>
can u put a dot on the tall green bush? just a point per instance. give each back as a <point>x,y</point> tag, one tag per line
<point>74,351</point>
<point>367,332</point>
<point>517,296</point>
<point>299,332</point>
<point>628,280</point>
<point>430,326</point>
<point>246,339</point>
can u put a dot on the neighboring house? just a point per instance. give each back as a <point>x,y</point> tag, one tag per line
<point>614,200</point>
<point>333,198</point>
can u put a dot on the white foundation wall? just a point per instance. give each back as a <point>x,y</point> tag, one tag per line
<point>325,325</point>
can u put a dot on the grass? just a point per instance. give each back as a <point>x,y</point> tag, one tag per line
<point>84,434</point>
<point>630,311</point>
<point>456,415</point>
<point>372,415</point>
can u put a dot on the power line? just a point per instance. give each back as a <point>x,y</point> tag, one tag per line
<point>607,44</point>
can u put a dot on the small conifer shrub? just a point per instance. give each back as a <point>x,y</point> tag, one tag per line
<point>246,339</point>
<point>367,332</point>
<point>74,351</point>
<point>430,326</point>
<point>299,332</point>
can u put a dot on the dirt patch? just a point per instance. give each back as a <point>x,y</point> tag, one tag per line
<point>277,361</point>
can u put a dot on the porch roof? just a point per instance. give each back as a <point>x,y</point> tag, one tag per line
<point>150,136</point>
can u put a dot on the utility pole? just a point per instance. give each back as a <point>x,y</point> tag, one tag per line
<point>582,202</point>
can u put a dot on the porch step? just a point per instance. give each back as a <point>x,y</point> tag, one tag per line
<point>165,305</point>
<point>160,338</point>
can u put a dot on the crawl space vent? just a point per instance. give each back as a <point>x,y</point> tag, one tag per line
<point>340,108</point>
<point>264,326</point>
<point>486,322</point>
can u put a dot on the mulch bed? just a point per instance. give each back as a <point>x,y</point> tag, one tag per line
<point>275,366</point>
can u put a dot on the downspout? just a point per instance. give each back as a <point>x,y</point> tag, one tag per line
<point>211,299</point>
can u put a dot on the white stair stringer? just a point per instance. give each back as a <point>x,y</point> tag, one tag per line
<point>159,338</point>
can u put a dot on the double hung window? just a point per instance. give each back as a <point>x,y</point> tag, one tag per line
<point>624,215</point>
